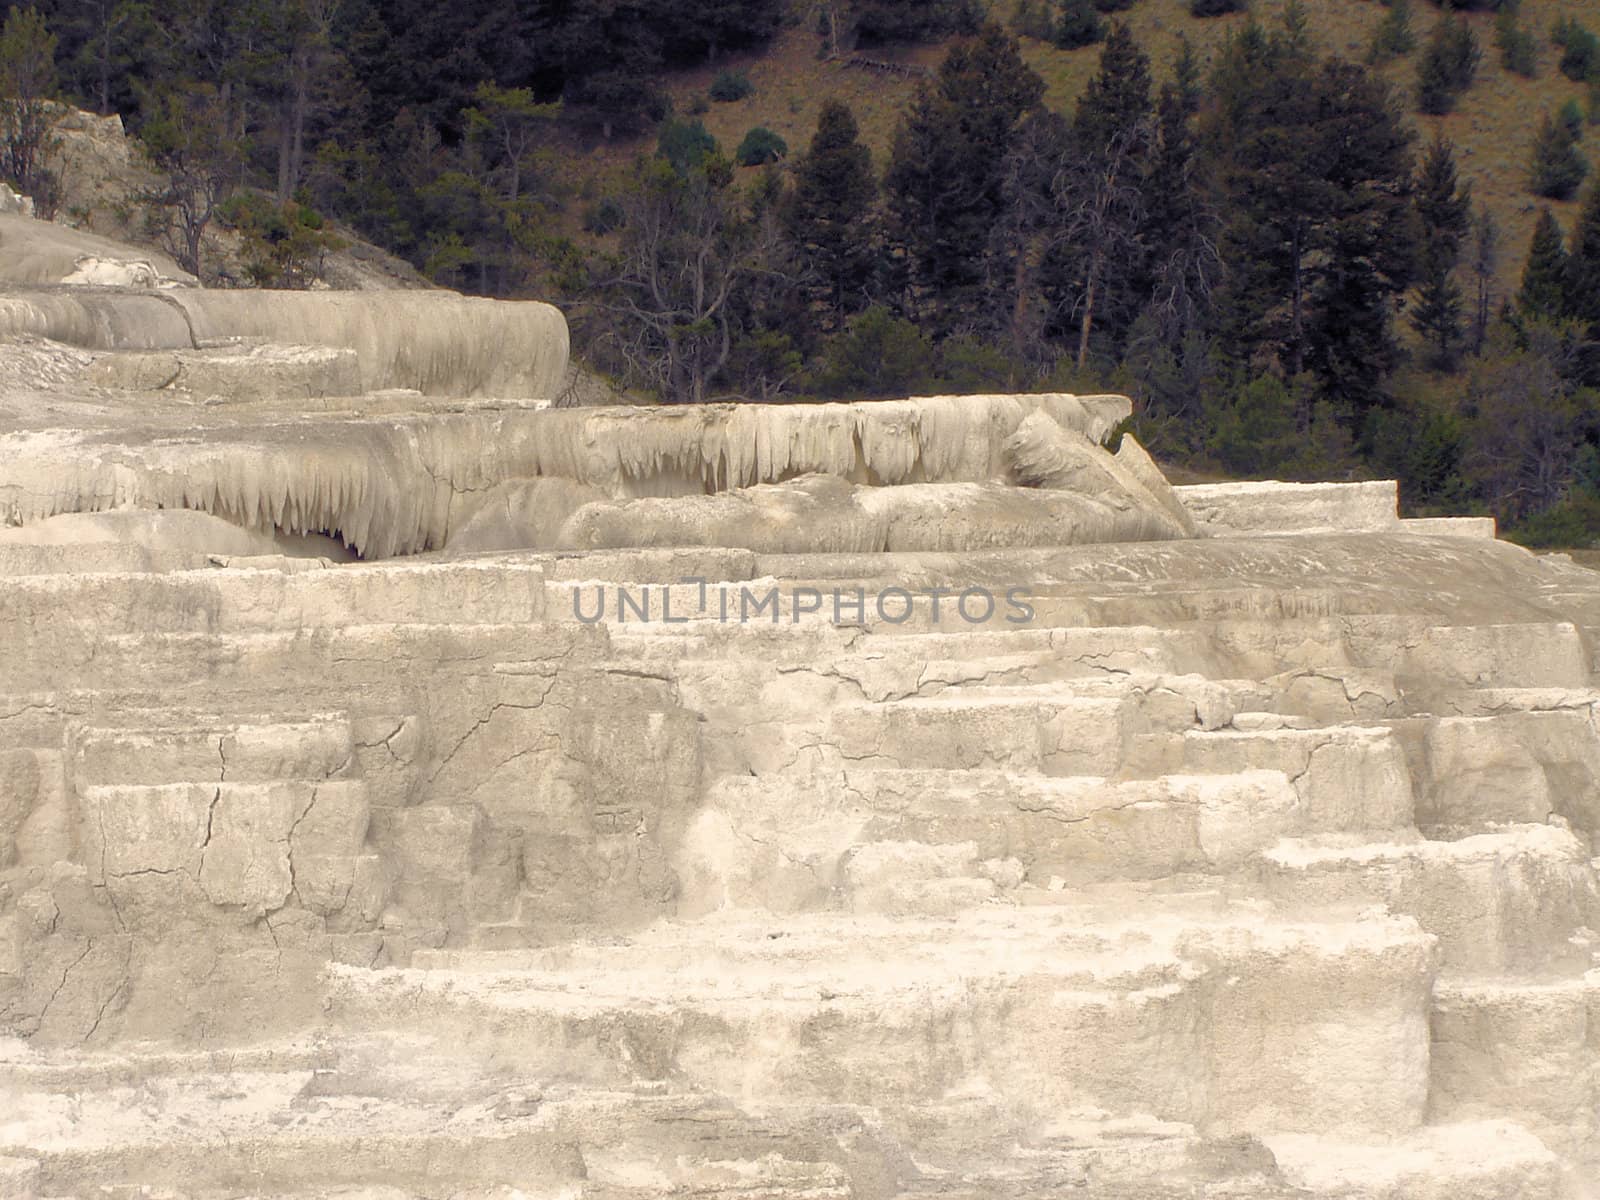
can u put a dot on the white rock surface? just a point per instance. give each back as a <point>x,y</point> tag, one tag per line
<point>1243,866</point>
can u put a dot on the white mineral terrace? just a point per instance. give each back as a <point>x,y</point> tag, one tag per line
<point>413,788</point>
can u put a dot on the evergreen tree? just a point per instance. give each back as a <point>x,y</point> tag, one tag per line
<point>1393,36</point>
<point>1314,169</point>
<point>946,182</point>
<point>1544,278</point>
<point>1583,263</point>
<point>1078,24</point>
<point>828,215</point>
<point>1445,209</point>
<point>1557,168</point>
<point>1180,224</point>
<point>1116,102</point>
<point>1519,50</point>
<point>1448,66</point>
<point>881,21</point>
<point>1100,197</point>
<point>1580,49</point>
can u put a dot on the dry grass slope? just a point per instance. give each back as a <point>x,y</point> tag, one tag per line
<point>1493,127</point>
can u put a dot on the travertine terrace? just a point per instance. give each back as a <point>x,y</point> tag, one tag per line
<point>361,834</point>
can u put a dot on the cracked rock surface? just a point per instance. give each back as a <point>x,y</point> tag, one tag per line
<point>1257,862</point>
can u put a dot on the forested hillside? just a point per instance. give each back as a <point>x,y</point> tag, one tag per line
<point>1324,239</point>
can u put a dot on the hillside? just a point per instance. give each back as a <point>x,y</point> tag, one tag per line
<point>1493,126</point>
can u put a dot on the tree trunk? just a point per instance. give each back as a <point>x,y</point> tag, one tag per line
<point>1095,267</point>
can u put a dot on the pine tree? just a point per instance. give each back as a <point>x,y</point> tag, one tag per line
<point>1557,168</point>
<point>1116,102</point>
<point>1314,169</point>
<point>1445,209</point>
<point>1180,225</point>
<point>1078,24</point>
<point>1519,50</point>
<point>1393,36</point>
<point>1448,66</point>
<point>946,180</point>
<point>1583,263</point>
<point>828,215</point>
<point>1544,279</point>
<point>1099,194</point>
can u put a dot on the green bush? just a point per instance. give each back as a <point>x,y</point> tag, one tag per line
<point>685,144</point>
<point>729,86</point>
<point>760,146</point>
<point>878,354</point>
<point>1394,36</point>
<point>1519,49</point>
<point>1580,49</point>
<point>967,365</point>
<point>1574,524</point>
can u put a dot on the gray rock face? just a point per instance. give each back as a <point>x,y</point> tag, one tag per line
<point>898,801</point>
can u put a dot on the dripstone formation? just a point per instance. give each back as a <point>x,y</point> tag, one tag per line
<point>409,788</point>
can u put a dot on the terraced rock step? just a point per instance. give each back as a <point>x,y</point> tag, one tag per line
<point>246,753</point>
<point>1249,867</point>
<point>1055,1008</point>
<point>910,839</point>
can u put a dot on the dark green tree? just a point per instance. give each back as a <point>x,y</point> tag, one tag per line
<point>1314,169</point>
<point>946,180</point>
<point>828,215</point>
<point>1519,49</point>
<point>1180,228</point>
<point>1543,295</point>
<point>877,22</point>
<point>1116,102</point>
<point>1393,37</point>
<point>1448,65</point>
<point>1580,49</point>
<point>1097,268</point>
<point>1078,24</point>
<point>1557,168</point>
<point>878,354</point>
<point>1445,209</point>
<point>1583,263</point>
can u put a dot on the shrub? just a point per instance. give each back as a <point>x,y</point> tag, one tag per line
<point>967,365</point>
<point>878,354</point>
<point>1394,36</point>
<point>1519,50</point>
<point>729,86</point>
<point>1580,49</point>
<point>685,144</point>
<point>606,216</point>
<point>760,146</point>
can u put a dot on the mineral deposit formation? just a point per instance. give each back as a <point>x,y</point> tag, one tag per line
<point>410,788</point>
